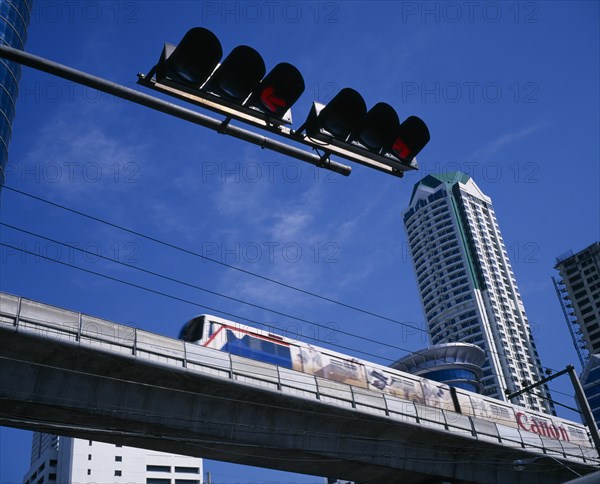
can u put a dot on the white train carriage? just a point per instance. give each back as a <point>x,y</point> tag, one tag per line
<point>425,395</point>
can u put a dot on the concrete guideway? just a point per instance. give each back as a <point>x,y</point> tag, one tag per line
<point>71,374</point>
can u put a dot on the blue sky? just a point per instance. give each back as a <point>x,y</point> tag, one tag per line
<point>509,91</point>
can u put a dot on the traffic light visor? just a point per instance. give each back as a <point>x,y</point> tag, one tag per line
<point>194,58</point>
<point>341,114</point>
<point>238,75</point>
<point>376,127</point>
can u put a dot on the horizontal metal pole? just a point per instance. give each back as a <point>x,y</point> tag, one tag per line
<point>537,384</point>
<point>223,107</point>
<point>166,107</point>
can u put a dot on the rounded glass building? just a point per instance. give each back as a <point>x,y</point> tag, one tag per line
<point>14,19</point>
<point>456,364</point>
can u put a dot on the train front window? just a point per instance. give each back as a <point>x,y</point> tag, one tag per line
<point>193,329</point>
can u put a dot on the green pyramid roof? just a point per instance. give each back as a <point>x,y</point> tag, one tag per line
<point>433,181</point>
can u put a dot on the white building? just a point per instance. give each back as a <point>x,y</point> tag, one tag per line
<point>467,286</point>
<point>64,460</point>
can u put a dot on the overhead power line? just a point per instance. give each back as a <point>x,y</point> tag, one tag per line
<point>215,261</point>
<point>194,286</point>
<point>178,281</point>
<point>230,266</point>
<point>177,298</point>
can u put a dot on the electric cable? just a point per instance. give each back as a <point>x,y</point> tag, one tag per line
<point>230,266</point>
<point>176,298</point>
<point>418,352</point>
<point>194,286</point>
<point>237,317</point>
<point>173,246</point>
<point>220,311</point>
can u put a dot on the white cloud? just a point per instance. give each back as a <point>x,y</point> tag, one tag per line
<point>494,146</point>
<point>74,154</point>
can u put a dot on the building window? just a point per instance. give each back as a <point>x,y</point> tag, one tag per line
<point>118,458</point>
<point>118,473</point>
<point>188,470</point>
<point>89,472</point>
<point>153,480</point>
<point>151,468</point>
<point>89,456</point>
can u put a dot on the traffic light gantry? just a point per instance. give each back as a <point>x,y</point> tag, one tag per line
<point>239,88</point>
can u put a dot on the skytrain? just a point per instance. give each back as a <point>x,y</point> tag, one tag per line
<point>260,345</point>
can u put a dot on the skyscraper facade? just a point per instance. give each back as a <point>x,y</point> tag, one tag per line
<point>467,286</point>
<point>590,380</point>
<point>578,290</point>
<point>64,460</point>
<point>579,293</point>
<point>14,19</point>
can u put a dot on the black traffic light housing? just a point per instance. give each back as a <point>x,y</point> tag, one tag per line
<point>409,138</point>
<point>375,128</point>
<point>238,82</point>
<point>238,75</point>
<point>183,64</point>
<point>238,88</point>
<point>336,120</point>
<point>345,122</point>
<point>278,91</point>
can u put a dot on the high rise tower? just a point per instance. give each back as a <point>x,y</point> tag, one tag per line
<point>14,19</point>
<point>467,286</point>
<point>579,293</point>
<point>578,290</point>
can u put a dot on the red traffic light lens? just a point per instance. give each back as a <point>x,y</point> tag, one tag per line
<point>278,91</point>
<point>400,149</point>
<point>269,99</point>
<point>410,138</point>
